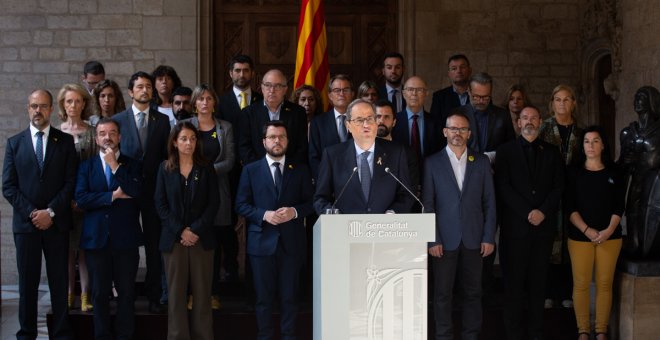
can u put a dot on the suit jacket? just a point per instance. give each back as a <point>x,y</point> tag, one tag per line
<point>386,194</point>
<point>222,165</point>
<point>229,108</point>
<point>253,118</point>
<point>158,130</point>
<point>521,189</point>
<point>443,102</point>
<point>256,195</point>
<point>467,215</point>
<point>170,208</point>
<point>105,220</point>
<point>433,138</point>
<point>382,94</point>
<point>500,129</point>
<point>322,133</point>
<point>27,188</point>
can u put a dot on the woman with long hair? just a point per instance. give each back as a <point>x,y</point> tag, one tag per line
<point>368,91</point>
<point>187,201</point>
<point>515,100</point>
<point>595,200</point>
<point>310,99</point>
<point>75,106</point>
<point>108,100</point>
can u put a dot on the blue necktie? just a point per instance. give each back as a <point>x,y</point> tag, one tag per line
<point>108,174</point>
<point>365,174</point>
<point>39,150</point>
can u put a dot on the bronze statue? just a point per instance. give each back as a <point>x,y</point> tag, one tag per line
<point>640,156</point>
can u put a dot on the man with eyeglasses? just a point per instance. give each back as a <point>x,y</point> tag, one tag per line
<point>274,106</point>
<point>93,73</point>
<point>371,190</point>
<point>38,179</point>
<point>456,94</point>
<point>458,188</point>
<point>392,90</point>
<point>330,128</point>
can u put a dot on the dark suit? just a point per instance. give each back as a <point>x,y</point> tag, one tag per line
<point>465,218</point>
<point>253,118</point>
<point>276,252</point>
<point>525,248</point>
<point>382,94</point>
<point>111,237</point>
<point>322,133</point>
<point>180,205</point>
<point>443,102</point>
<point>229,108</point>
<point>498,132</point>
<point>156,151</point>
<point>385,193</point>
<point>27,188</point>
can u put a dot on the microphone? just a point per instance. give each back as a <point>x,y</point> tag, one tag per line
<point>332,208</point>
<point>405,187</point>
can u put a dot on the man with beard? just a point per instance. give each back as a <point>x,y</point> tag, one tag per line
<point>529,177</point>
<point>274,106</point>
<point>144,138</point>
<point>38,179</point>
<point>458,188</point>
<point>329,128</point>
<point>456,94</point>
<point>393,69</point>
<point>181,105</point>
<point>108,189</point>
<point>230,104</point>
<point>275,196</point>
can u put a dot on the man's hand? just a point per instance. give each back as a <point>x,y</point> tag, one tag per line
<point>110,159</point>
<point>535,217</point>
<point>118,193</point>
<point>273,217</point>
<point>487,249</point>
<point>188,238</point>
<point>286,214</point>
<point>41,219</point>
<point>436,251</point>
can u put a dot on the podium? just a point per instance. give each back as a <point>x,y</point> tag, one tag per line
<point>370,276</point>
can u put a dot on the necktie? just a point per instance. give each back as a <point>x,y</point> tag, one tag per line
<point>343,134</point>
<point>365,174</point>
<point>414,137</point>
<point>244,102</point>
<point>39,150</point>
<point>395,100</point>
<point>142,130</point>
<point>108,174</point>
<point>278,178</point>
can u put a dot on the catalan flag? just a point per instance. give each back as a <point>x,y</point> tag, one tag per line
<point>311,54</point>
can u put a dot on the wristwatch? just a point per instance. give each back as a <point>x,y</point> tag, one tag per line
<point>51,213</point>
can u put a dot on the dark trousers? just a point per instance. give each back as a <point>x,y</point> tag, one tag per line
<point>55,247</point>
<point>525,265</point>
<point>119,266</point>
<point>151,229</point>
<point>225,255</point>
<point>466,263</point>
<point>274,275</point>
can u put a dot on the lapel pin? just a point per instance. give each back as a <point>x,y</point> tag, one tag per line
<point>379,161</point>
<point>214,135</point>
<point>471,158</point>
<point>290,166</point>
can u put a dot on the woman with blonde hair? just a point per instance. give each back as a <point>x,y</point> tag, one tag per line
<point>75,106</point>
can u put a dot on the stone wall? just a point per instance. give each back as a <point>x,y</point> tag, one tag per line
<point>45,43</point>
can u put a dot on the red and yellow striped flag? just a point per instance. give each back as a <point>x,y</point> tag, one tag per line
<point>312,55</point>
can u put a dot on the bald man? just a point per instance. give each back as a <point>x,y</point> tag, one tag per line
<point>274,106</point>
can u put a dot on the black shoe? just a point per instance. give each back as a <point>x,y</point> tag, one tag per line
<point>156,308</point>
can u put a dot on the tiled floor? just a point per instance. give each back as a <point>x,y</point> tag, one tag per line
<point>9,314</point>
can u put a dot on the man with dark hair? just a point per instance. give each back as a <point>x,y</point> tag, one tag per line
<point>93,73</point>
<point>393,69</point>
<point>165,81</point>
<point>181,105</point>
<point>38,179</point>
<point>144,137</point>
<point>275,196</point>
<point>241,71</point>
<point>108,189</point>
<point>455,95</point>
<point>329,128</point>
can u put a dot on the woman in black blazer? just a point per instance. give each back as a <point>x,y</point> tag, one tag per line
<point>186,200</point>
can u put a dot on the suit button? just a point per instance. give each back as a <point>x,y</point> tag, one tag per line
<point>368,209</point>
<point>533,192</point>
<point>106,216</point>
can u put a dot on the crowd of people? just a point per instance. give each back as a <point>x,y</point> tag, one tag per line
<point>176,170</point>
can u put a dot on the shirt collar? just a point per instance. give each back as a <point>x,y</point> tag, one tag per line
<point>34,130</point>
<point>452,155</point>
<point>136,111</point>
<point>390,88</point>
<point>359,151</point>
<point>420,114</point>
<point>271,161</point>
<point>238,91</point>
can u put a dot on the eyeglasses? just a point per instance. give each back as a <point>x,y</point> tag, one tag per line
<point>39,106</point>
<point>273,138</point>
<point>413,90</point>
<point>361,121</point>
<point>454,129</point>
<point>477,98</point>
<point>345,90</point>
<point>271,86</point>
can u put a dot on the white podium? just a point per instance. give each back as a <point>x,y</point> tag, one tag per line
<point>370,276</point>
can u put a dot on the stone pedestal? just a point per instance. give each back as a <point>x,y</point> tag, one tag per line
<point>637,300</point>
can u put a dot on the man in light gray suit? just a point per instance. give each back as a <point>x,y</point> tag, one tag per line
<point>458,188</point>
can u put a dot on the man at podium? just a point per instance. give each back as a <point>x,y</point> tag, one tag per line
<point>364,175</point>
